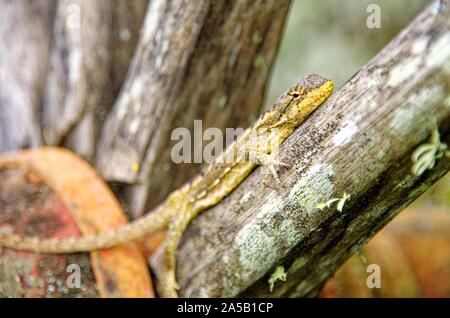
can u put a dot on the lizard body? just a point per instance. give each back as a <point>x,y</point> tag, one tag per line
<point>207,189</point>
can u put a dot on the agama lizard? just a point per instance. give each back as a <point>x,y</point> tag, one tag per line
<point>218,180</point>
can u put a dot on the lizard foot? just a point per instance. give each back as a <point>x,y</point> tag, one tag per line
<point>268,161</point>
<point>167,283</point>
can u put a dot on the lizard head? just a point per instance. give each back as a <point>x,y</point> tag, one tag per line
<point>303,98</point>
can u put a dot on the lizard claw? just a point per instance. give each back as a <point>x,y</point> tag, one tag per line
<point>274,173</point>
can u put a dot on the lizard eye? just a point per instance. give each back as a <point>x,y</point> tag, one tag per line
<point>295,95</point>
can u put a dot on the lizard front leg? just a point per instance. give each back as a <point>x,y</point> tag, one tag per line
<point>266,160</point>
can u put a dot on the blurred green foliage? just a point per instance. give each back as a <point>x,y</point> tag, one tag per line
<point>331,38</point>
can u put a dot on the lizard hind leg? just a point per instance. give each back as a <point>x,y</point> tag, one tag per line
<point>166,276</point>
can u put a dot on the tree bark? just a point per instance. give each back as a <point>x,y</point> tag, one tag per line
<point>359,142</point>
<point>92,46</point>
<point>25,28</point>
<point>205,60</point>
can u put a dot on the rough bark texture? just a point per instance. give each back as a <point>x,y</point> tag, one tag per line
<point>26,27</point>
<point>92,46</point>
<point>360,142</point>
<point>204,60</point>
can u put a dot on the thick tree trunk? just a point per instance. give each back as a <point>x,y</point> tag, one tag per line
<point>360,142</point>
<point>205,60</point>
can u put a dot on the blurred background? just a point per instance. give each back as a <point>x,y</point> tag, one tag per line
<point>330,37</point>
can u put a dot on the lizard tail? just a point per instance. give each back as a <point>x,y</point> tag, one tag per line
<point>130,232</point>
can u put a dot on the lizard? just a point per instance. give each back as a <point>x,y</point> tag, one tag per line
<point>217,180</point>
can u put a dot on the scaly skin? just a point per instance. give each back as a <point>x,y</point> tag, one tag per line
<point>256,146</point>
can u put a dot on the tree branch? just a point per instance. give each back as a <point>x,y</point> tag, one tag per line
<point>360,142</point>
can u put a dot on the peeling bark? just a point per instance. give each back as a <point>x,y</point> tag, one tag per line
<point>359,142</point>
<point>204,60</point>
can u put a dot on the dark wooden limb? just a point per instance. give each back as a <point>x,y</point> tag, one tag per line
<point>360,143</point>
